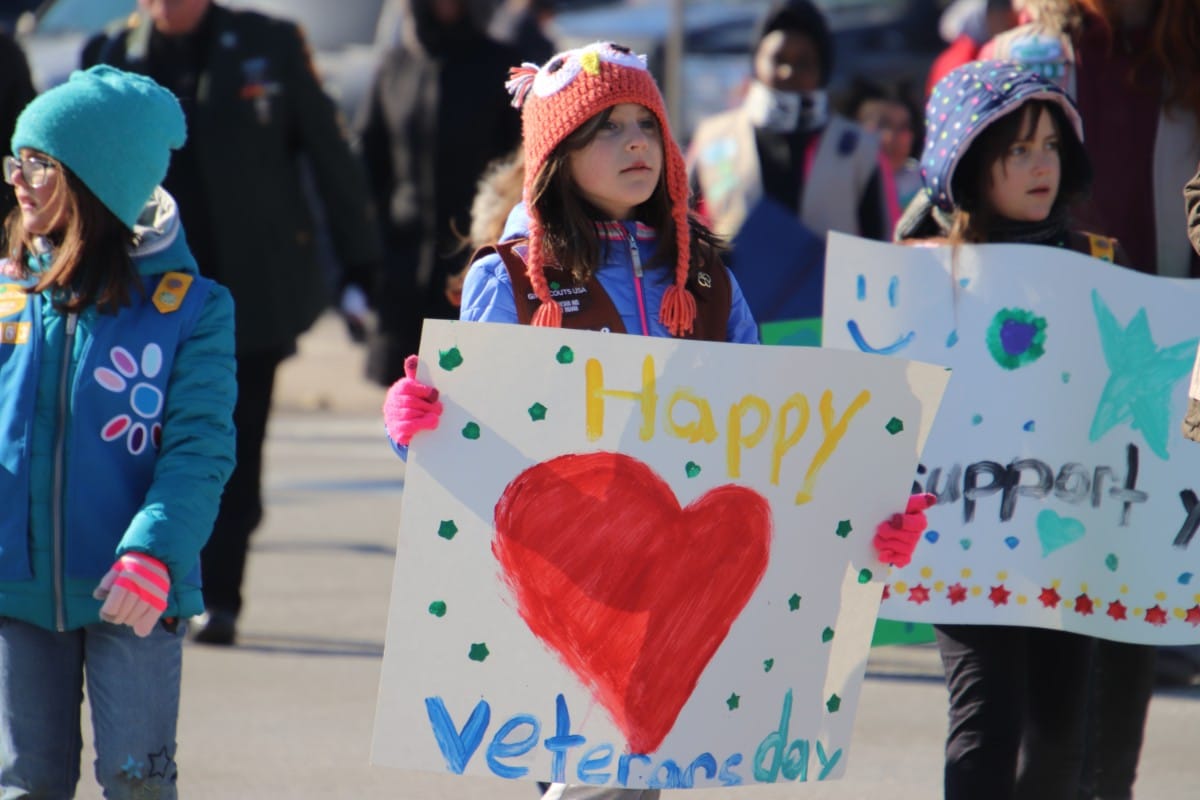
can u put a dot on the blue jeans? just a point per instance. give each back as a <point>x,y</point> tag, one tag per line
<point>133,689</point>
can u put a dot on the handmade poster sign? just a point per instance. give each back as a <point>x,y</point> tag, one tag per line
<point>1067,495</point>
<point>642,562</point>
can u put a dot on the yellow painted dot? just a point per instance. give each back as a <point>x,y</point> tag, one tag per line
<point>1160,596</point>
<point>901,586</point>
<point>966,573</point>
<point>1083,588</point>
<point>939,586</point>
<point>1124,588</point>
<point>976,591</point>
<point>926,572</point>
<point>1002,575</point>
<point>1137,612</point>
<point>1056,583</point>
<point>1022,599</point>
<point>1179,613</point>
<point>1196,598</point>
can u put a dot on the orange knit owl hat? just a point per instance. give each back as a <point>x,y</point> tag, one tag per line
<point>557,98</point>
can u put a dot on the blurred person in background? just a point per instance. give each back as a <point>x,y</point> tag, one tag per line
<point>968,25</point>
<point>523,26</point>
<point>780,171</point>
<point>437,114</point>
<point>16,90</point>
<point>255,109</point>
<point>888,112</point>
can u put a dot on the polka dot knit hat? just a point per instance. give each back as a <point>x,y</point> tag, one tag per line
<point>558,97</point>
<point>965,103</point>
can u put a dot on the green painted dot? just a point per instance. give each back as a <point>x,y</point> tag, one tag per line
<point>555,285</point>
<point>470,431</point>
<point>965,544</point>
<point>833,703</point>
<point>437,608</point>
<point>449,359</point>
<point>692,469</point>
<point>537,412</point>
<point>976,419</point>
<point>794,602</point>
<point>844,527</point>
<point>1066,377</point>
<point>864,576</point>
<point>827,635</point>
<point>733,702</point>
<point>478,652</point>
<point>770,662</point>
<point>894,426</point>
<point>565,355</point>
<point>1111,562</point>
<point>447,529</point>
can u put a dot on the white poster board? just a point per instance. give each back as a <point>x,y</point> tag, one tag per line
<point>639,561</point>
<point>1067,494</point>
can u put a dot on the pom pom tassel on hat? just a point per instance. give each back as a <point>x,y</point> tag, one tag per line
<point>555,99</point>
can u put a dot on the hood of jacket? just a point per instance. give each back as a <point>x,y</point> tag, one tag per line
<point>159,242</point>
<point>965,103</point>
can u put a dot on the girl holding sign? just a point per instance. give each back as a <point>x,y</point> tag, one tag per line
<point>1003,161</point>
<point>605,242</point>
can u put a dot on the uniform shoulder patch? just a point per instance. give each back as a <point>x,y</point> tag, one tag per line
<point>171,290</point>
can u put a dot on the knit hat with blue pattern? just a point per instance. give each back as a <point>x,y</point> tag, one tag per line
<point>115,130</point>
<point>965,103</point>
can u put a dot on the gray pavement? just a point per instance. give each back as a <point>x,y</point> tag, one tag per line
<point>288,713</point>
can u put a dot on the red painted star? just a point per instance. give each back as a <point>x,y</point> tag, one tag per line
<point>1050,597</point>
<point>999,595</point>
<point>1193,616</point>
<point>887,591</point>
<point>1156,615</point>
<point>1116,610</point>
<point>918,594</point>
<point>956,594</point>
<point>1083,605</point>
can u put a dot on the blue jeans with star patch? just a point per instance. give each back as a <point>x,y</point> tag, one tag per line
<point>133,690</point>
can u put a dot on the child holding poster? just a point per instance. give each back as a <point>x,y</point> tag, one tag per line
<point>605,242</point>
<point>1003,162</point>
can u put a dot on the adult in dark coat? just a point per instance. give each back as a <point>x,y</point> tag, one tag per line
<point>16,90</point>
<point>255,109</point>
<point>437,115</point>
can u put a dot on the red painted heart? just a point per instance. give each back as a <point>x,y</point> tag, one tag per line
<point>634,593</point>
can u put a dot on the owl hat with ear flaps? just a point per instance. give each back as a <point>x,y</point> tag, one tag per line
<point>558,97</point>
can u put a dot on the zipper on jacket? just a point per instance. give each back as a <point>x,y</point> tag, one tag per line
<point>60,447</point>
<point>637,281</point>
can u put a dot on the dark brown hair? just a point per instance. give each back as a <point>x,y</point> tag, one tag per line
<point>973,176</point>
<point>568,219</point>
<point>90,263</point>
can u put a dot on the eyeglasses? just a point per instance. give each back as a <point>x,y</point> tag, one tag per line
<point>35,171</point>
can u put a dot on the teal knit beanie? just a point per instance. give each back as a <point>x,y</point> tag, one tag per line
<point>115,130</point>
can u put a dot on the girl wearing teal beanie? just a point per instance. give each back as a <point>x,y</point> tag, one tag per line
<point>116,438</point>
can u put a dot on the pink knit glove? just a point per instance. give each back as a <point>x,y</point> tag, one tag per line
<point>134,592</point>
<point>896,538</point>
<point>410,406</point>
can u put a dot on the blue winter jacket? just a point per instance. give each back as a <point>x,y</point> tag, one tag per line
<point>117,431</point>
<point>488,294</point>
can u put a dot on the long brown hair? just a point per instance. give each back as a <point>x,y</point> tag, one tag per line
<point>972,219</point>
<point>90,264</point>
<point>1174,48</point>
<point>568,220</point>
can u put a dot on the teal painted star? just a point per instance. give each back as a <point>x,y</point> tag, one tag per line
<point>1141,378</point>
<point>733,702</point>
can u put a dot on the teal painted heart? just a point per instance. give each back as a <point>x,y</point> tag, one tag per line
<point>1055,531</point>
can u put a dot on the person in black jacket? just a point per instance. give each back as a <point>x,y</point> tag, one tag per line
<point>436,116</point>
<point>16,90</point>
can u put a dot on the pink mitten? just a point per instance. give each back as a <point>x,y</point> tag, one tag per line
<point>896,538</point>
<point>134,592</point>
<point>410,406</point>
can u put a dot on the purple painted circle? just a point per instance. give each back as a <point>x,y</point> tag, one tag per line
<point>1016,336</point>
<point>137,438</point>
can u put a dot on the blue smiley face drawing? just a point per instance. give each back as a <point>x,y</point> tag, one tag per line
<point>856,333</point>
